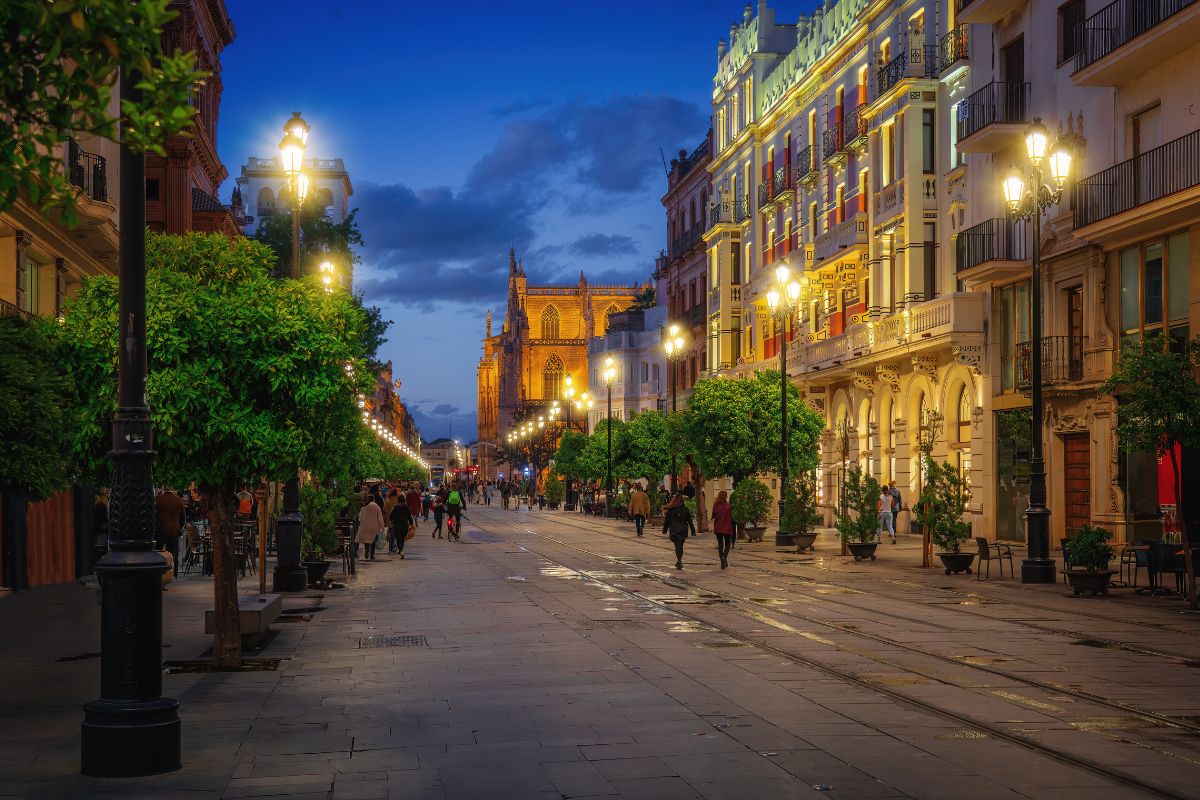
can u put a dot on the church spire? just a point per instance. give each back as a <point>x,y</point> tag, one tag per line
<point>488,333</point>
<point>512,261</point>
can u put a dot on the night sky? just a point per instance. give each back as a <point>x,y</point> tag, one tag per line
<point>471,127</point>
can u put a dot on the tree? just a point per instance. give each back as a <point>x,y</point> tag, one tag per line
<point>570,457</point>
<point>644,447</point>
<point>857,519</point>
<point>644,298</point>
<point>596,455</point>
<point>941,506</point>
<point>37,426</point>
<point>734,426</point>
<point>247,379</point>
<point>1159,411</point>
<point>321,238</point>
<point>61,62</point>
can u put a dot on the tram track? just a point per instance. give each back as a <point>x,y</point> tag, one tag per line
<point>732,633</point>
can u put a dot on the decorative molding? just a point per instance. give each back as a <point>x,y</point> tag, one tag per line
<point>889,374</point>
<point>863,380</point>
<point>927,366</point>
<point>969,355</point>
<point>817,404</point>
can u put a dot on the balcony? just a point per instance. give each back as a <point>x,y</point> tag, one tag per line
<point>1149,192</point>
<point>88,172</point>
<point>952,50</point>
<point>720,213</point>
<point>806,167</point>
<point>832,150</point>
<point>784,185</point>
<point>766,199</point>
<point>692,318</point>
<point>1062,361</point>
<point>8,309</point>
<point>993,117</point>
<point>889,201</point>
<point>987,12</point>
<point>741,209</point>
<point>890,74</point>
<point>687,242</point>
<point>856,131</point>
<point>994,248</point>
<point>1124,39</point>
<point>956,318</point>
<point>845,235</point>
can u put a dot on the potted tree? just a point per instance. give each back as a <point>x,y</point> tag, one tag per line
<point>657,501</point>
<point>857,517</point>
<point>799,523</point>
<point>317,538</point>
<point>555,491</point>
<point>751,504</point>
<point>942,504</point>
<point>1089,549</point>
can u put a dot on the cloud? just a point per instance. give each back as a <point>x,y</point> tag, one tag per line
<point>602,244</point>
<point>444,410</point>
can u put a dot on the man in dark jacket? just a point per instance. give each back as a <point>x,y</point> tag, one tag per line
<point>168,524</point>
<point>401,520</point>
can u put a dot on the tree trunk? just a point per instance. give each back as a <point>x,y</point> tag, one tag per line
<point>227,638</point>
<point>738,534</point>
<point>1183,526</point>
<point>701,505</point>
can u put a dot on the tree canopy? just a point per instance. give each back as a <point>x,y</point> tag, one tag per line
<point>61,63</point>
<point>321,238</point>
<point>644,447</point>
<point>37,414</point>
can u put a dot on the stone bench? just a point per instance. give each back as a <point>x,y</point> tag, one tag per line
<point>256,612</point>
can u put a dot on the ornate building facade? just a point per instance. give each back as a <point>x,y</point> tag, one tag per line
<point>543,340</point>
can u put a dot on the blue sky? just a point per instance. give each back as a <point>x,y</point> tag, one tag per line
<point>469,127</point>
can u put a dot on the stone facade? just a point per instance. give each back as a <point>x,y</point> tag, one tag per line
<point>634,341</point>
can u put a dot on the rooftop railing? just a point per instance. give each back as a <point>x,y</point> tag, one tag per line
<point>1120,23</point>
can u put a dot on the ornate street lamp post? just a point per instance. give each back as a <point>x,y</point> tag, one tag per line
<point>569,396</point>
<point>783,300</point>
<point>131,729</point>
<point>610,375</point>
<point>674,347</point>
<point>1028,197</point>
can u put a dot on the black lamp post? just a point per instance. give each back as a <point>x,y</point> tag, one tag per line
<point>674,347</point>
<point>569,396</point>
<point>1028,197</point>
<point>131,729</point>
<point>610,375</point>
<point>783,300</point>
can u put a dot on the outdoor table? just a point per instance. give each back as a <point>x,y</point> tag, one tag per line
<point>1161,554</point>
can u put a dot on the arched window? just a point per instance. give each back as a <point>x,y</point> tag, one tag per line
<point>325,197</point>
<point>964,415</point>
<point>552,378</point>
<point>266,201</point>
<point>608,316</point>
<point>550,325</point>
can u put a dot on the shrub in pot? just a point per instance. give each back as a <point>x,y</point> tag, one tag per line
<point>318,539</point>
<point>857,517</point>
<point>1089,550</point>
<point>555,490</point>
<point>940,510</point>
<point>800,516</point>
<point>750,505</point>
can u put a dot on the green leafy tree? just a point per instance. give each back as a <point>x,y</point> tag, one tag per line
<point>570,458</point>
<point>1159,410</point>
<point>750,503</point>
<point>555,489</point>
<point>644,298</point>
<point>320,507</point>
<point>61,63</point>
<point>645,446</point>
<point>596,454</point>
<point>321,238</point>
<point>800,515</point>
<point>941,506</point>
<point>246,380</point>
<point>734,426</point>
<point>857,518</point>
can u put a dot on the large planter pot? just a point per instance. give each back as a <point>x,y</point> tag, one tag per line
<point>862,550</point>
<point>754,534</point>
<point>784,539</point>
<point>317,570</point>
<point>957,562</point>
<point>804,541</point>
<point>1094,581</point>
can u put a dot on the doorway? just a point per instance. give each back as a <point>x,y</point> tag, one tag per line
<point>1077,480</point>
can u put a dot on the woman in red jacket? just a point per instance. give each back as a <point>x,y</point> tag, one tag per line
<point>722,517</point>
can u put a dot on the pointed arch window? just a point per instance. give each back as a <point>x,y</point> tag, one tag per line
<point>552,378</point>
<point>608,316</point>
<point>550,327</point>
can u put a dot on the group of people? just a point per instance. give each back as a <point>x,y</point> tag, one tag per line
<point>678,523</point>
<point>890,505</point>
<point>391,511</point>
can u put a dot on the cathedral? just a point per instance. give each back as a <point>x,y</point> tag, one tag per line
<point>544,339</point>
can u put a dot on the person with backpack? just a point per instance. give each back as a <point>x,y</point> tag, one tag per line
<point>677,523</point>
<point>455,502</point>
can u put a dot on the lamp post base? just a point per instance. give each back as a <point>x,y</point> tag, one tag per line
<point>127,739</point>
<point>289,575</point>
<point>1038,570</point>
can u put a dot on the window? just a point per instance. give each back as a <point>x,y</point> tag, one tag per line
<point>28,280</point>
<point>840,200</point>
<point>956,158</point>
<point>864,187</point>
<point>735,266</point>
<point>550,323</point>
<point>887,161</point>
<point>928,137</point>
<point>552,378</point>
<point>1154,289</point>
<point>735,338</point>
<point>929,251</point>
<point>152,190</point>
<point>1012,310</point>
<point>1070,28</point>
<point>812,222</point>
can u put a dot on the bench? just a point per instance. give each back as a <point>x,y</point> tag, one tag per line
<point>256,612</point>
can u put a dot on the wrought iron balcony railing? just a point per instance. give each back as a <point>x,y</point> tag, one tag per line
<point>1062,361</point>
<point>891,73</point>
<point>806,162</point>
<point>953,48</point>
<point>783,182</point>
<point>997,102</point>
<point>991,240</point>
<point>1153,175</point>
<point>834,139</point>
<point>741,208</point>
<point>1120,23</point>
<point>765,197</point>
<point>88,171</point>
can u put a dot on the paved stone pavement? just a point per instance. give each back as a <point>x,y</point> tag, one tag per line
<point>551,656</point>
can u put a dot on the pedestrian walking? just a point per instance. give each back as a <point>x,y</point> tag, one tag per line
<point>404,523</point>
<point>677,524</point>
<point>426,502</point>
<point>897,506</point>
<point>886,504</point>
<point>388,505</point>
<point>487,494</point>
<point>722,517</point>
<point>455,502</point>
<point>541,492</point>
<point>413,498</point>
<point>505,491</point>
<point>370,523</point>
<point>439,513</point>
<point>169,520</point>
<point>639,507</point>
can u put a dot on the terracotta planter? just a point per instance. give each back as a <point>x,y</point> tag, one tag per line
<point>957,562</point>
<point>1094,581</point>
<point>862,550</point>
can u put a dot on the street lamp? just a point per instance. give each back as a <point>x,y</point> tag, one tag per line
<point>783,299</point>
<point>327,275</point>
<point>1029,197</point>
<point>610,375</point>
<point>674,347</point>
<point>291,158</point>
